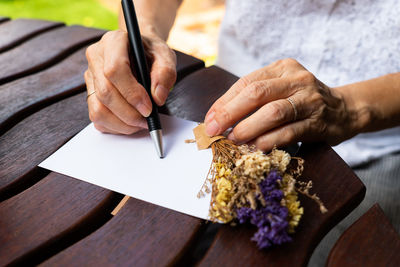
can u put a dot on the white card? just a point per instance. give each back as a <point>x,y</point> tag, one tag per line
<point>130,165</point>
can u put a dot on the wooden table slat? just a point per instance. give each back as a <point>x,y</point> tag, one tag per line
<point>49,216</point>
<point>370,241</point>
<point>17,31</point>
<point>193,96</point>
<point>186,64</point>
<point>22,97</point>
<point>141,234</point>
<point>341,192</point>
<point>44,50</point>
<point>34,139</point>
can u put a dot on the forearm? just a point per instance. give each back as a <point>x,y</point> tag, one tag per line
<point>375,102</point>
<point>154,16</point>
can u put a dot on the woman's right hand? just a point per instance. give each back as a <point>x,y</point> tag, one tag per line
<point>119,103</point>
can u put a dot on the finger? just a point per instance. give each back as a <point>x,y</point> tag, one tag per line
<point>269,72</point>
<point>235,89</point>
<point>118,71</point>
<point>282,136</point>
<point>104,129</point>
<point>101,116</point>
<point>109,96</point>
<point>253,96</point>
<point>268,117</point>
<point>163,72</point>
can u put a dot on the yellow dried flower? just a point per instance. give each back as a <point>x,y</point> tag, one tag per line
<point>223,188</point>
<point>290,200</point>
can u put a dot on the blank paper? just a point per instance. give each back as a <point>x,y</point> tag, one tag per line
<point>130,165</point>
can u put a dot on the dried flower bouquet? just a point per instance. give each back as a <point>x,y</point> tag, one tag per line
<point>248,186</point>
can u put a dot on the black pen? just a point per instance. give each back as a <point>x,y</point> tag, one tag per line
<point>142,71</point>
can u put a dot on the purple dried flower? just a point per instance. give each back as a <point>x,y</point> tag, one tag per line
<point>244,214</point>
<point>270,220</point>
<point>269,187</point>
<point>272,225</point>
<point>267,236</point>
<point>259,237</point>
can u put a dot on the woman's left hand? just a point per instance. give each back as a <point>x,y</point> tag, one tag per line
<point>282,103</point>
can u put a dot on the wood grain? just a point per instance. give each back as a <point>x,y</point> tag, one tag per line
<point>44,50</point>
<point>370,241</point>
<point>16,31</point>
<point>186,64</point>
<point>49,216</point>
<point>34,139</point>
<point>24,96</point>
<point>141,234</point>
<point>339,189</point>
<point>193,96</point>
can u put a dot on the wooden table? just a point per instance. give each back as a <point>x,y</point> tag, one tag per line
<point>52,219</point>
<point>370,241</point>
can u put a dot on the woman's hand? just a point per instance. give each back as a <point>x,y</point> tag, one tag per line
<point>284,103</point>
<point>119,103</point>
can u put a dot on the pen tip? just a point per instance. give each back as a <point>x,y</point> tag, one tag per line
<point>156,135</point>
<point>160,152</point>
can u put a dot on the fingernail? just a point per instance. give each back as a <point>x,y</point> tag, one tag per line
<point>161,94</point>
<point>209,117</point>
<point>212,128</point>
<point>231,136</point>
<point>144,109</point>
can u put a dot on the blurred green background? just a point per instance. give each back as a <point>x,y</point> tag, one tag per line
<point>195,31</point>
<point>90,13</point>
